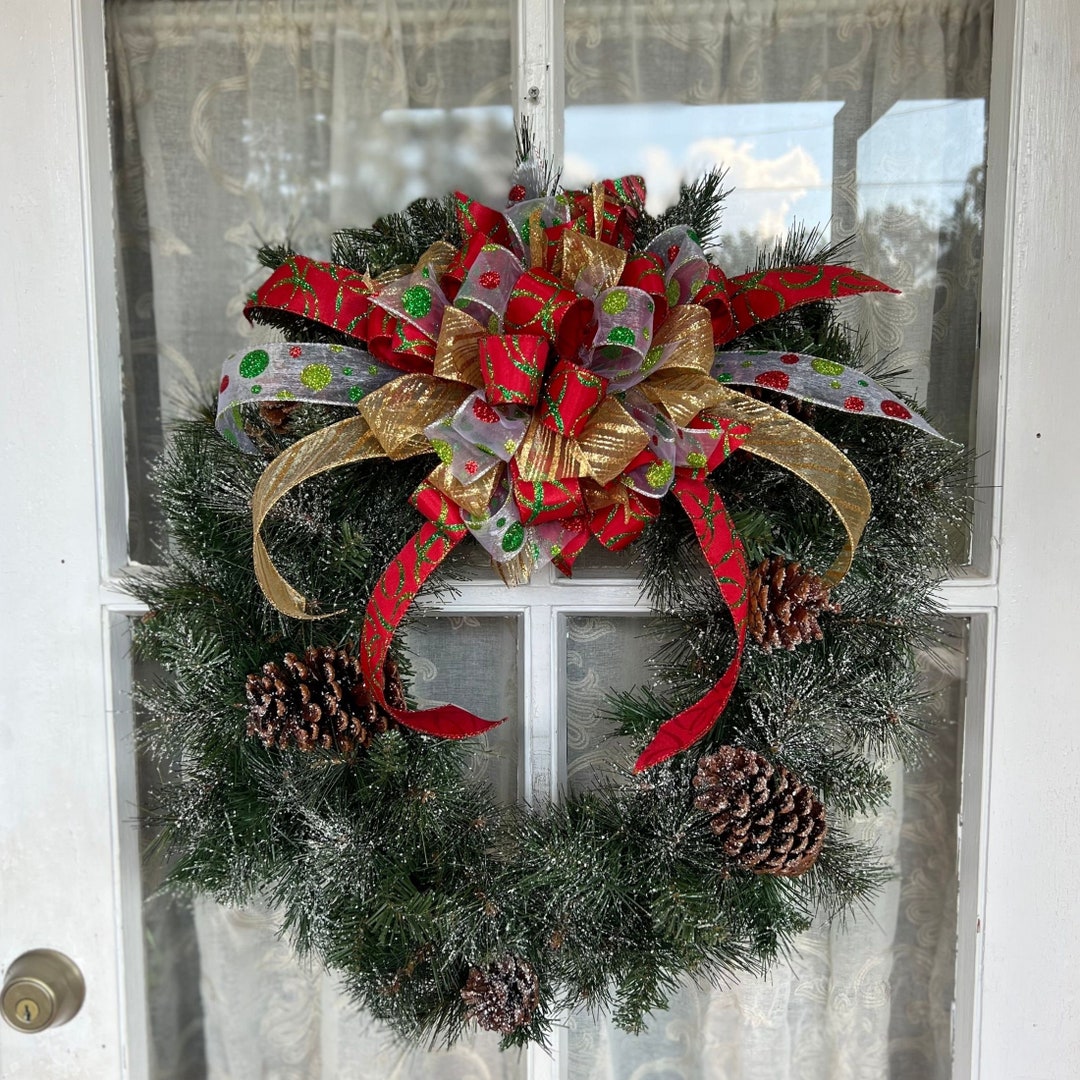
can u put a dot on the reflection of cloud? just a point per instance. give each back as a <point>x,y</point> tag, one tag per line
<point>776,184</point>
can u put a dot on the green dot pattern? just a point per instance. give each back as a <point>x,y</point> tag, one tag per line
<point>417,300</point>
<point>621,335</point>
<point>514,537</point>
<point>316,376</point>
<point>254,363</point>
<point>659,473</point>
<point>615,302</point>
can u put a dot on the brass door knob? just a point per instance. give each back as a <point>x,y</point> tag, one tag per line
<point>42,988</point>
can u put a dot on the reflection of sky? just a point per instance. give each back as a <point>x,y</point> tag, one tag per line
<point>779,156</point>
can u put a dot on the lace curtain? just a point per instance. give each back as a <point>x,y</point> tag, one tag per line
<point>237,121</point>
<point>863,1001</point>
<point>873,60</point>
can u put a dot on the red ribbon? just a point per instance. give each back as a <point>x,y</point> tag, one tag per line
<point>713,296</point>
<point>724,553</point>
<point>762,295</point>
<point>475,217</point>
<point>541,304</point>
<point>541,501</point>
<point>398,343</point>
<point>325,293</point>
<point>397,587</point>
<point>570,398</point>
<point>645,271</point>
<point>620,525</point>
<point>512,367</point>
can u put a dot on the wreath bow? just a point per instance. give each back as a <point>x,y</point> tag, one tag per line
<point>566,385</point>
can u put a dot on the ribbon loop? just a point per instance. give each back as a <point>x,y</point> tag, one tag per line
<point>512,367</point>
<point>485,291</point>
<point>571,397</point>
<point>325,293</point>
<point>477,437</point>
<point>540,304</point>
<point>686,268</point>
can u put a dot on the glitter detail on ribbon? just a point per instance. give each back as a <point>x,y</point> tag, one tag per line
<point>281,371</point>
<point>812,378</point>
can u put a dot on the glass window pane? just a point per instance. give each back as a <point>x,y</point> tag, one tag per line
<point>596,562</point>
<point>862,119</point>
<point>237,123</point>
<point>475,663</point>
<point>873,998</point>
<point>227,997</point>
<point>604,654</point>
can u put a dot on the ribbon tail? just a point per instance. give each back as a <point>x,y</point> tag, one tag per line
<point>724,553</point>
<point>393,594</point>
<point>339,444</point>
<point>762,295</point>
<point>780,438</point>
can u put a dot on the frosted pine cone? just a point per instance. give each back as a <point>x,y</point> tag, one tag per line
<point>503,995</point>
<point>767,820</point>
<point>784,602</point>
<point>319,700</point>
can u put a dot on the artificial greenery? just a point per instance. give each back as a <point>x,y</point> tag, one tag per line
<point>398,871</point>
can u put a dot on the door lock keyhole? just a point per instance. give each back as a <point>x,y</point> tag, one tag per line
<point>42,988</point>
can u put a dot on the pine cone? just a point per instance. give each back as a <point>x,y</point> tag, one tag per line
<point>798,407</point>
<point>503,995</point>
<point>319,700</point>
<point>276,415</point>
<point>784,602</point>
<point>768,821</point>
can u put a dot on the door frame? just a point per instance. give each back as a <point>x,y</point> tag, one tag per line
<point>68,876</point>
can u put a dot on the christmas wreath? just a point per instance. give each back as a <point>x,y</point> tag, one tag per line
<point>567,368</point>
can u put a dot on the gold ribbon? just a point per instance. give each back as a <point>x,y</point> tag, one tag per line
<point>684,385</point>
<point>393,418</point>
<point>475,497</point>
<point>783,440</point>
<point>339,444</point>
<point>588,261</point>
<point>399,411</point>
<point>457,352</point>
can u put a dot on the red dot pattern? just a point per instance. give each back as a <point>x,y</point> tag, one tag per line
<point>790,358</point>
<point>854,404</point>
<point>471,467</point>
<point>484,412</point>
<point>774,380</point>
<point>895,410</point>
<point>296,351</point>
<point>224,384</point>
<point>672,253</point>
<point>490,279</point>
<point>517,193</point>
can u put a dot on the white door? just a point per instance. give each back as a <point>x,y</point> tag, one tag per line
<point>69,875</point>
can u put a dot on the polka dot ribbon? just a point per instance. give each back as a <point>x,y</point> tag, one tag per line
<point>281,372</point>
<point>566,383</point>
<point>812,378</point>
